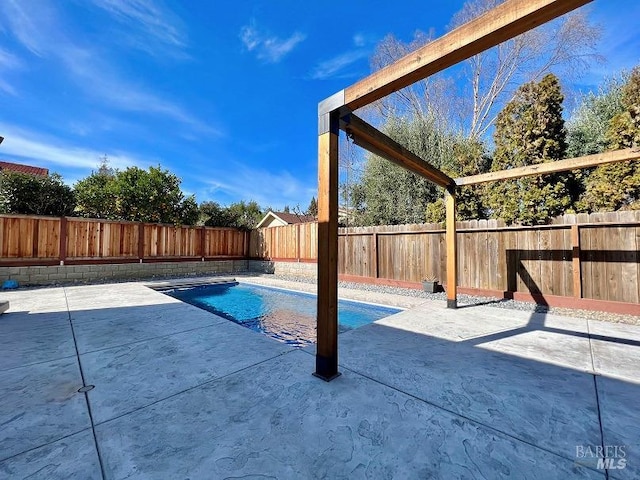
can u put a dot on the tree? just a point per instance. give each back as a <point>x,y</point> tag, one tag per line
<point>35,194</point>
<point>247,215</point>
<point>470,158</point>
<point>587,128</point>
<point>566,44</point>
<point>530,130</point>
<point>312,209</point>
<point>136,194</point>
<point>387,194</point>
<point>95,195</point>
<point>617,186</point>
<point>244,215</point>
<point>215,215</point>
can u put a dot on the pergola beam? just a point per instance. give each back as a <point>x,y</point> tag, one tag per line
<point>373,140</point>
<point>553,167</point>
<point>502,23</point>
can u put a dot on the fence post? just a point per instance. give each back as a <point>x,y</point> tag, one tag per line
<point>575,258</point>
<point>203,237</point>
<point>376,269</point>
<point>298,243</point>
<point>36,238</point>
<point>140,241</point>
<point>63,239</point>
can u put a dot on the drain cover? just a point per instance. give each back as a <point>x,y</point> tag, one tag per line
<point>86,388</point>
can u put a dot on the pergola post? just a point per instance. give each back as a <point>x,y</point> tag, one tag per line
<point>452,248</point>
<point>327,346</point>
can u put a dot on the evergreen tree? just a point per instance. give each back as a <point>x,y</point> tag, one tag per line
<point>387,194</point>
<point>530,130</point>
<point>589,123</point>
<point>312,209</point>
<point>617,186</point>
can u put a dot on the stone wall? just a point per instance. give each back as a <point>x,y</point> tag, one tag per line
<point>50,275</point>
<point>39,275</point>
<point>297,269</point>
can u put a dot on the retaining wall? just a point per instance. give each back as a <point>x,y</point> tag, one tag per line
<point>298,269</point>
<point>48,275</point>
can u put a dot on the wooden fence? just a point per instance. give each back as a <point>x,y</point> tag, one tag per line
<point>34,240</point>
<point>580,256</point>
<point>298,242</point>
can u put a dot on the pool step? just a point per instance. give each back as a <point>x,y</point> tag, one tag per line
<point>183,283</point>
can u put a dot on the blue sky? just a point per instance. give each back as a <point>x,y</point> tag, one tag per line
<point>224,94</point>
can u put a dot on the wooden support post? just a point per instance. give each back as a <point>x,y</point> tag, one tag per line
<point>575,258</point>
<point>298,243</point>
<point>63,239</point>
<point>327,344</point>
<point>452,249</point>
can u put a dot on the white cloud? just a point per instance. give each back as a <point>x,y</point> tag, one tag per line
<point>8,62</point>
<point>335,66</point>
<point>144,19</point>
<point>33,25</point>
<point>268,47</point>
<point>43,35</point>
<point>50,152</point>
<point>359,40</point>
<point>264,186</point>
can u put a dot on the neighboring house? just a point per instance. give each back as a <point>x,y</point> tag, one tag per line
<point>279,219</point>
<point>20,168</point>
<point>345,216</point>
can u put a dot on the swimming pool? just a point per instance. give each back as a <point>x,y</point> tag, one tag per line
<point>285,315</point>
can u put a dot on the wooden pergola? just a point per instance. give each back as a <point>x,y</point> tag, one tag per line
<point>502,23</point>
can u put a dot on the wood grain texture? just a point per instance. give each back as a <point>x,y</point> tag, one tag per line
<point>552,167</point>
<point>452,248</point>
<point>376,142</point>
<point>327,310</point>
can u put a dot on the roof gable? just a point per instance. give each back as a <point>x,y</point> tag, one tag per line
<point>287,218</point>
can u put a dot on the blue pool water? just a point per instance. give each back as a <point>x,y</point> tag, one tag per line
<point>282,314</point>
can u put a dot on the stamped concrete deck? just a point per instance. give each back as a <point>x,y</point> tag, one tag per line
<point>427,393</point>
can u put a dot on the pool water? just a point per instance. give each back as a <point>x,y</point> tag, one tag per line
<point>282,314</point>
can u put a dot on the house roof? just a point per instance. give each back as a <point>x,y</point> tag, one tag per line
<point>294,217</point>
<point>20,168</point>
<point>289,218</point>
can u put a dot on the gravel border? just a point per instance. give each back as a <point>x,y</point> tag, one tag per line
<point>493,302</point>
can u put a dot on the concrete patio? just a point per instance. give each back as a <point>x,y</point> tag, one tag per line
<point>473,393</point>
